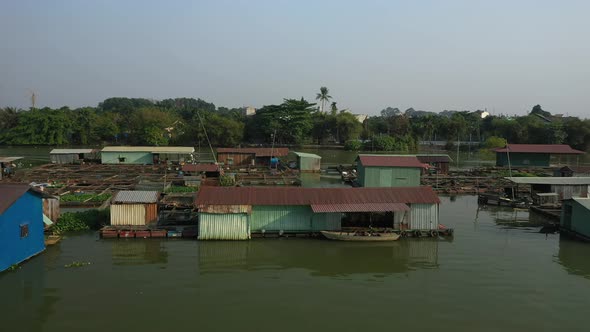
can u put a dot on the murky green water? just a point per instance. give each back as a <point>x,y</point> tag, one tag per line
<point>489,278</point>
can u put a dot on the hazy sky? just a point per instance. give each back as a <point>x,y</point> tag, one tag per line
<point>431,55</point>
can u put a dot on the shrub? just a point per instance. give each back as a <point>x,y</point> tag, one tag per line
<point>352,145</point>
<point>81,221</point>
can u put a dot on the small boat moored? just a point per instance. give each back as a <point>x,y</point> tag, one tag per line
<point>360,236</point>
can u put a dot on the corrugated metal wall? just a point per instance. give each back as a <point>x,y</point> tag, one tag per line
<point>239,159</point>
<point>523,159</point>
<point>326,222</point>
<point>279,217</point>
<point>580,217</point>
<point>307,164</point>
<point>51,208</point>
<point>569,191</point>
<point>223,226</point>
<point>128,214</point>
<point>151,213</point>
<point>424,216</point>
<point>138,158</point>
<point>63,158</point>
<point>390,177</point>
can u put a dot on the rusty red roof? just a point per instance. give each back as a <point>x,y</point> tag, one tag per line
<point>539,148</point>
<point>359,207</point>
<point>313,196</point>
<point>10,193</point>
<point>389,161</point>
<point>258,152</point>
<point>200,168</point>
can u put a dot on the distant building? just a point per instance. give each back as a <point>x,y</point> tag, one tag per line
<point>234,213</point>
<point>575,217</point>
<point>248,111</point>
<point>439,162</point>
<point>526,155</point>
<point>73,156</point>
<point>145,155</point>
<point>308,162</point>
<point>21,224</point>
<point>389,170</point>
<point>564,187</point>
<point>361,117</point>
<point>249,156</point>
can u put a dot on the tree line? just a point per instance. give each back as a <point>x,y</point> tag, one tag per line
<point>188,121</point>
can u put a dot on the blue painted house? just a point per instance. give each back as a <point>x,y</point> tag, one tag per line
<point>21,224</point>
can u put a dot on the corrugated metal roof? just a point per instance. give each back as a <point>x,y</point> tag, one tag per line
<point>151,149</point>
<point>585,202</point>
<point>258,152</point>
<point>308,196</point>
<point>551,180</point>
<point>9,159</point>
<point>359,207</point>
<point>136,197</point>
<point>71,151</point>
<point>390,160</point>
<point>200,168</point>
<point>434,158</point>
<point>307,155</point>
<point>539,148</point>
<point>10,193</point>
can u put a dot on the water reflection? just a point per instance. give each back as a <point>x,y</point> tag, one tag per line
<point>25,301</point>
<point>573,256</point>
<point>138,252</point>
<point>322,258</point>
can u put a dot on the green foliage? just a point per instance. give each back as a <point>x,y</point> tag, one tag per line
<point>226,181</point>
<point>85,197</point>
<point>180,189</point>
<point>81,221</point>
<point>384,143</point>
<point>353,145</point>
<point>76,264</point>
<point>494,142</point>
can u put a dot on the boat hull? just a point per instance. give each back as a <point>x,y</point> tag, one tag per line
<point>377,237</point>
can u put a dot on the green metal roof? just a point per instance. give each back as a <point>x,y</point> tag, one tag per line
<point>307,155</point>
<point>584,201</point>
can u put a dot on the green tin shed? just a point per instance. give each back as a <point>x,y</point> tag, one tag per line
<point>531,155</point>
<point>308,162</point>
<point>575,216</point>
<point>389,170</point>
<point>145,155</point>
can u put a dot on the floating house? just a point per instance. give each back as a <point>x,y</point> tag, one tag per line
<point>438,162</point>
<point>73,156</point>
<point>145,155</point>
<point>526,155</point>
<point>21,224</point>
<point>249,156</point>
<point>389,170</point>
<point>234,213</point>
<point>575,217</point>
<point>6,168</point>
<point>308,162</point>
<point>134,208</point>
<point>209,170</point>
<point>564,187</point>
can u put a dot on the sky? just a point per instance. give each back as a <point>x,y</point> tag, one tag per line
<point>506,56</point>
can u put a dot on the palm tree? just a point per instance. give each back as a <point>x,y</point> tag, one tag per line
<point>323,96</point>
<point>334,107</point>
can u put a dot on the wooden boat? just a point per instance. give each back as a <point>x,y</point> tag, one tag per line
<point>345,236</point>
<point>52,239</point>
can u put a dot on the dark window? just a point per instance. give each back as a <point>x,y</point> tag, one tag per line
<point>121,159</point>
<point>24,230</point>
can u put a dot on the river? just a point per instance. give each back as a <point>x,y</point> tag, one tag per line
<point>490,277</point>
